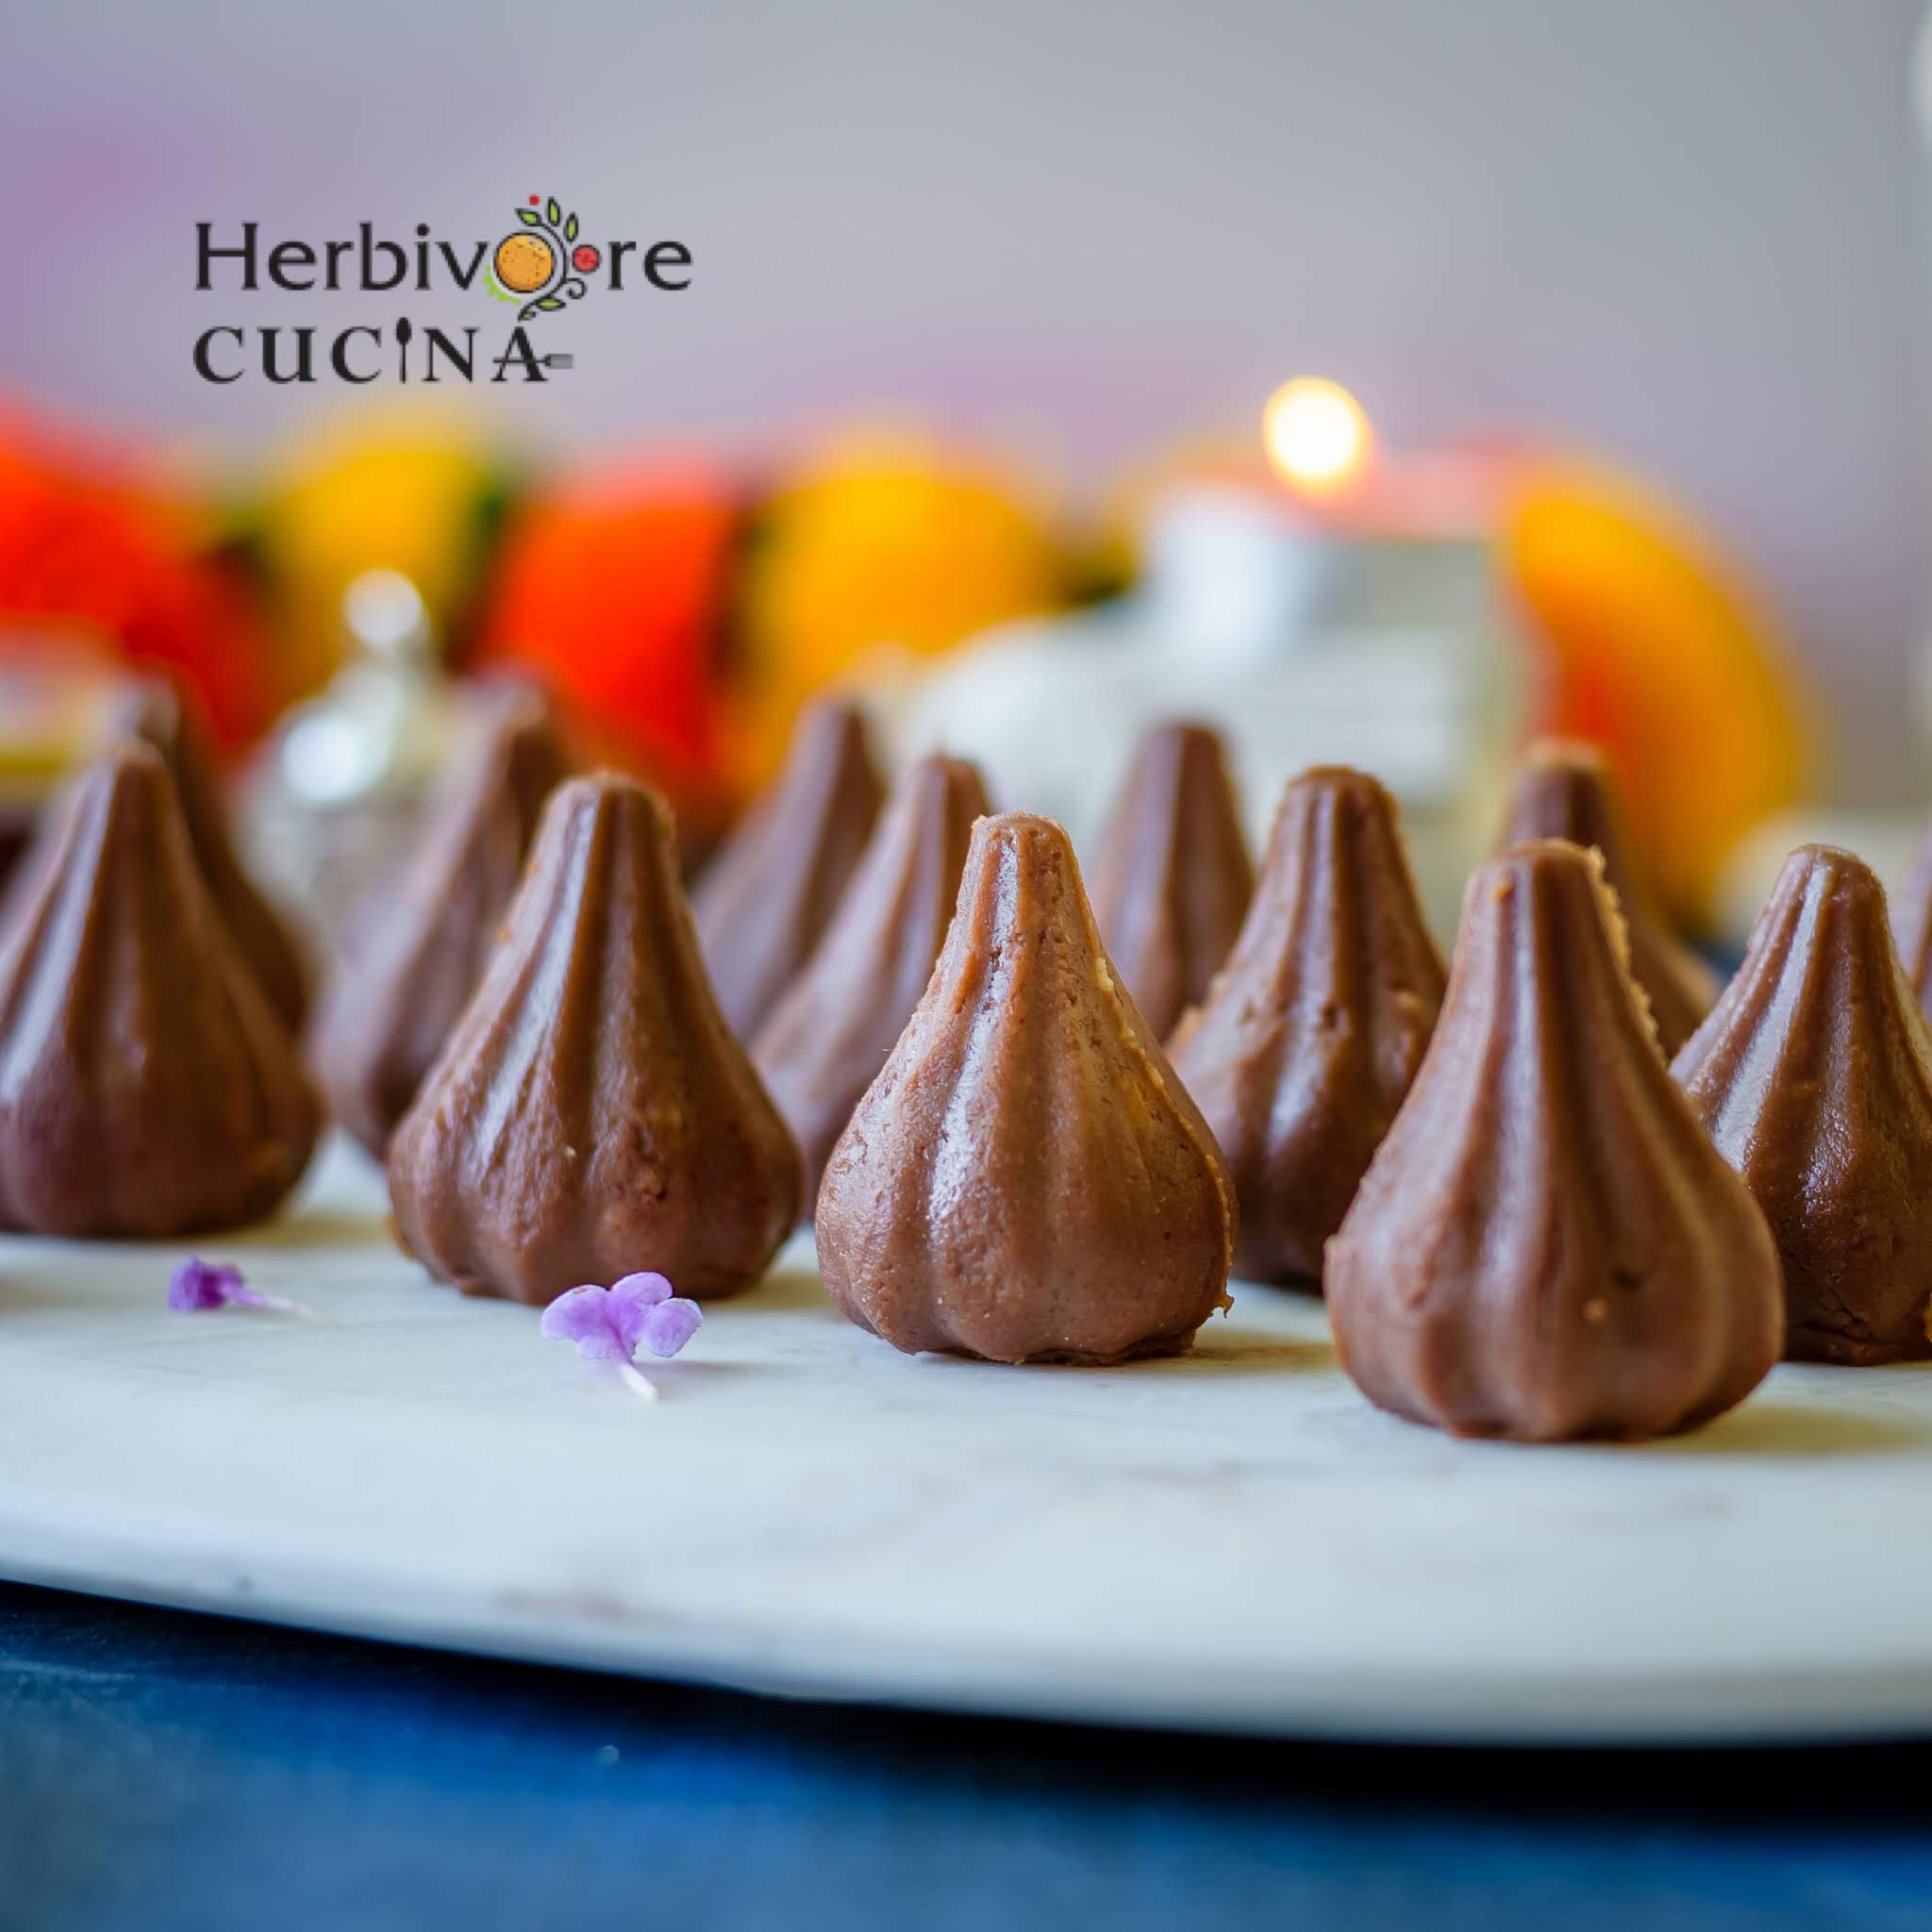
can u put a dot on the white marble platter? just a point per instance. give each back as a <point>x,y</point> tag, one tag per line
<point>1234,1540</point>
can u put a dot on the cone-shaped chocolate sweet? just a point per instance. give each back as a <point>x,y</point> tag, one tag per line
<point>592,1115</point>
<point>394,1003</point>
<point>1564,791</point>
<point>1547,1246</point>
<point>146,1087</point>
<point>830,1032</point>
<point>1026,1179</point>
<point>153,709</point>
<point>764,902</point>
<point>1173,876</point>
<point>1311,1033</point>
<point>1814,1077</point>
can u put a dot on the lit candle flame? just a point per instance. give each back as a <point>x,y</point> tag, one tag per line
<point>1318,436</point>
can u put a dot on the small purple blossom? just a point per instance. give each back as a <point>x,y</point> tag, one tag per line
<point>611,1325</point>
<point>196,1285</point>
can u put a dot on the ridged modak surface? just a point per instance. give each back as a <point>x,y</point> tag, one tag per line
<point>764,902</point>
<point>154,710</point>
<point>1312,1033</point>
<point>394,1004</point>
<point>829,1034</point>
<point>1026,1180</point>
<point>1814,1077</point>
<point>146,1086</point>
<point>592,1115</point>
<point>1173,876</point>
<point>1564,790</point>
<point>1546,1245</point>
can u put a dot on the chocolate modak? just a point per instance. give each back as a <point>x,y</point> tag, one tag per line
<point>764,901</point>
<point>830,1032</point>
<point>148,1088</point>
<point>1026,1180</point>
<point>1814,1077</point>
<point>1564,790</point>
<point>1174,875</point>
<point>1311,1033</point>
<point>394,1004</point>
<point>592,1115</point>
<point>154,710</point>
<point>1546,1245</point>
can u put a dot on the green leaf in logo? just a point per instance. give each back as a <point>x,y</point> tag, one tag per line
<point>569,229</point>
<point>549,302</point>
<point>552,213</point>
<point>528,216</point>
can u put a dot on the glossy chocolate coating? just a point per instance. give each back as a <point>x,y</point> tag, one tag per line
<point>764,902</point>
<point>1026,1180</point>
<point>592,1115</point>
<point>146,1086</point>
<point>429,936</point>
<point>1564,790</point>
<point>1546,1245</point>
<point>1311,1033</point>
<point>1173,876</point>
<point>1814,1077</point>
<point>830,1032</point>
<point>153,709</point>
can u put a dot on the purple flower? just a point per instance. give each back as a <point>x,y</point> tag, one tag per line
<point>611,1325</point>
<point>197,1284</point>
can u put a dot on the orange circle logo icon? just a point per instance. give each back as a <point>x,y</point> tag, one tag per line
<point>525,262</point>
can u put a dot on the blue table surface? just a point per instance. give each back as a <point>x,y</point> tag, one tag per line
<point>163,1770</point>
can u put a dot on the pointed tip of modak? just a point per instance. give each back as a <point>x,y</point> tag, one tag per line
<point>1557,896</point>
<point>1363,803</point>
<point>829,768</point>
<point>1542,863</point>
<point>157,711</point>
<point>766,897</point>
<point>429,930</point>
<point>1180,763</point>
<point>1041,839</point>
<point>1554,752</point>
<point>1831,868</point>
<point>833,722</point>
<point>1173,875</point>
<point>604,791</point>
<point>1190,742</point>
<point>1823,897</point>
<point>1826,917</point>
<point>954,777</point>
<point>134,785</point>
<point>1563,790</point>
<point>824,1042</point>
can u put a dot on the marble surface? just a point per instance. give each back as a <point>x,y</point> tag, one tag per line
<point>1234,1540</point>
